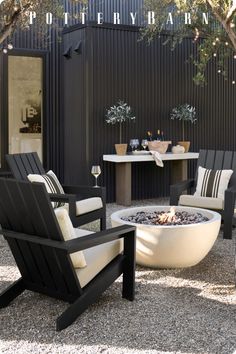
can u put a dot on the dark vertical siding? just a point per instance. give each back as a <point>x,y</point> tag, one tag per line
<point>32,40</point>
<point>152,79</point>
<point>75,113</point>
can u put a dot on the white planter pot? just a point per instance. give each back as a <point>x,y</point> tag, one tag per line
<point>172,246</point>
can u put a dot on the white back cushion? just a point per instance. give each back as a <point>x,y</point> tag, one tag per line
<point>51,183</point>
<point>212,183</point>
<point>68,232</point>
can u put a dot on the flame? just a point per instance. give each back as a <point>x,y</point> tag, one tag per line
<point>167,217</point>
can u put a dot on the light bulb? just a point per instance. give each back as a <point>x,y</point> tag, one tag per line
<point>5,51</point>
<point>214,43</point>
<point>233,82</point>
<point>226,43</point>
<point>234,56</point>
<point>10,46</point>
<point>217,39</point>
<point>214,55</point>
<point>219,71</point>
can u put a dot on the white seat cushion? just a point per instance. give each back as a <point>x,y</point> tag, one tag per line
<point>86,205</point>
<point>97,258</point>
<point>201,202</point>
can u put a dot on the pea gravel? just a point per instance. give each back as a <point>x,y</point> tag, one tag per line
<point>185,311</point>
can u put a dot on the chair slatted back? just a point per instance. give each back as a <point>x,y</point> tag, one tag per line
<point>21,165</point>
<point>25,208</point>
<point>218,160</point>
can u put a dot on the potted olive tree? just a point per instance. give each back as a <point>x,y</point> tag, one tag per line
<point>184,113</point>
<point>119,114</point>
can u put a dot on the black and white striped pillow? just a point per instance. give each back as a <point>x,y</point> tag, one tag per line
<point>212,183</point>
<point>52,185</point>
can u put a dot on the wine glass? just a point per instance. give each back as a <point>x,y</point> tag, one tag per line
<point>136,144</point>
<point>132,144</point>
<point>144,144</point>
<point>96,171</point>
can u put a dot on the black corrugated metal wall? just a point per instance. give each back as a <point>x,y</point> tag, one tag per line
<point>152,79</point>
<point>33,40</point>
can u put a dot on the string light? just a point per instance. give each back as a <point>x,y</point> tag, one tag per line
<point>226,43</point>
<point>5,51</point>
<point>196,34</point>
<point>219,71</point>
<point>233,82</point>
<point>232,25</point>
<point>234,56</point>
<point>214,43</point>
<point>214,55</point>
<point>10,46</point>
<point>217,39</point>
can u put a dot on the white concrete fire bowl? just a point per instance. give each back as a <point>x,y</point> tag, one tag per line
<point>172,246</point>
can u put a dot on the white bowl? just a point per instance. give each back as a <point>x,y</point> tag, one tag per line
<point>172,246</point>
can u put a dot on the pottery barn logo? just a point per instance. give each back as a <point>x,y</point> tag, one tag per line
<point>117,20</point>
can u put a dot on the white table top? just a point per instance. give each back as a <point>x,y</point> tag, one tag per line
<point>142,158</point>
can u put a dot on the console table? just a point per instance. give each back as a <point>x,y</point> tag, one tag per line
<point>123,171</point>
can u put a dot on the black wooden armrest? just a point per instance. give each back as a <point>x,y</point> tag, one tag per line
<point>84,192</point>
<point>177,189</point>
<point>66,198</point>
<point>98,238</point>
<point>6,174</point>
<point>76,244</point>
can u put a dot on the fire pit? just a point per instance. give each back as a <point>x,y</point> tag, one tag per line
<point>171,237</point>
<point>172,217</point>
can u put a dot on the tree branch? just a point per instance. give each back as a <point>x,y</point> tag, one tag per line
<point>225,23</point>
<point>215,11</point>
<point>10,26</point>
<point>231,14</point>
<point>231,34</point>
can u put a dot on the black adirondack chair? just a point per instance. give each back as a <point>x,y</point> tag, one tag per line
<point>215,160</point>
<point>21,165</point>
<point>34,237</point>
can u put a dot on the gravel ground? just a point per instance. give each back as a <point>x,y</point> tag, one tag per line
<point>190,310</point>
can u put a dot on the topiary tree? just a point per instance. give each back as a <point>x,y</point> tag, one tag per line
<point>211,23</point>
<point>184,113</point>
<point>119,114</point>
